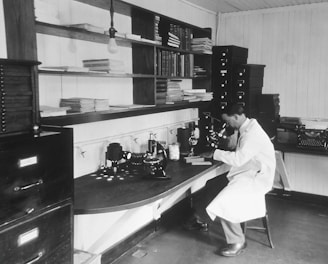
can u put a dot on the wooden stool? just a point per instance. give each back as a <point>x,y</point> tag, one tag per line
<point>265,228</point>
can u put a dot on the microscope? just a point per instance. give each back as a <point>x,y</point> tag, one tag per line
<point>115,154</point>
<point>155,160</point>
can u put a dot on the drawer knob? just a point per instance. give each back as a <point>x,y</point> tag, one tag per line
<point>29,210</point>
<point>26,187</point>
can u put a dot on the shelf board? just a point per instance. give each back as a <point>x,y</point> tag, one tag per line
<point>81,118</point>
<point>96,74</point>
<point>82,34</point>
<point>172,77</point>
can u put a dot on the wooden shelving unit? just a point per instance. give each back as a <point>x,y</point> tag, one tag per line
<point>144,73</point>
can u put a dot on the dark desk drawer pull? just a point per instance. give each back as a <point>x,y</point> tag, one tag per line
<point>40,254</point>
<point>22,188</point>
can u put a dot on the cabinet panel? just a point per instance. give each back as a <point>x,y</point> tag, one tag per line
<point>35,173</point>
<point>143,91</point>
<point>46,238</point>
<point>143,59</point>
<point>18,96</point>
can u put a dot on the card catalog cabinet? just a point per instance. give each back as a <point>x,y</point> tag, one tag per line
<point>233,80</point>
<point>36,188</point>
<point>18,105</point>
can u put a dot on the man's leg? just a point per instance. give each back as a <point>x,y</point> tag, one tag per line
<point>235,238</point>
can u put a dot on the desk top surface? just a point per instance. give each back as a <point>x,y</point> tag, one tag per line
<point>292,148</point>
<point>96,194</point>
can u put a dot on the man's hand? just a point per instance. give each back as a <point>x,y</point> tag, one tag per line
<point>208,154</point>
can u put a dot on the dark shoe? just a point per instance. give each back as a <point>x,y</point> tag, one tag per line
<point>232,250</point>
<point>196,224</point>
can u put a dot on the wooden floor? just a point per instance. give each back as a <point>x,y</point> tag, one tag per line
<point>299,232</point>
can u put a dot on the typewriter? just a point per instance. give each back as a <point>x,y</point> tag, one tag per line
<point>312,138</point>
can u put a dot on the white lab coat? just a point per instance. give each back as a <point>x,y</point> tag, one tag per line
<point>251,176</point>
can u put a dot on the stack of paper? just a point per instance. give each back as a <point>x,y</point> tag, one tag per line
<point>199,71</point>
<point>174,92</point>
<point>101,104</point>
<point>46,111</point>
<point>88,27</point>
<point>105,65</point>
<point>64,68</point>
<point>200,94</point>
<point>202,45</point>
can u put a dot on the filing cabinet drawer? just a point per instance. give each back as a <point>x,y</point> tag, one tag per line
<point>13,68</point>
<point>46,238</point>
<point>22,101</point>
<point>16,85</point>
<point>249,70</point>
<point>35,173</point>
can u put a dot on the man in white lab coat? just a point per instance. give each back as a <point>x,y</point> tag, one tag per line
<point>250,178</point>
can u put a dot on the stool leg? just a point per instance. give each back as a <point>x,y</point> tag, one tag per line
<point>265,221</point>
<point>244,227</point>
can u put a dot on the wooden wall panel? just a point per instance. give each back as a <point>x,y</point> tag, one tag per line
<point>292,42</point>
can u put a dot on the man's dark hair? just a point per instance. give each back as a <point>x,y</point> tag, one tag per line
<point>233,109</point>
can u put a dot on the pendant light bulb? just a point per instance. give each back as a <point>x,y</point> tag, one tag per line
<point>112,45</point>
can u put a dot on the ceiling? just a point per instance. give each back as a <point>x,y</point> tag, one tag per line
<point>227,6</point>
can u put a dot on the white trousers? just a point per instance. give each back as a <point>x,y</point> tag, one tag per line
<point>233,232</point>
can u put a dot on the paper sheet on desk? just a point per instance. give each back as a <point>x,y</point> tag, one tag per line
<point>313,123</point>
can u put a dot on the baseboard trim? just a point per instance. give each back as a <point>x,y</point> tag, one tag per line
<point>114,253</point>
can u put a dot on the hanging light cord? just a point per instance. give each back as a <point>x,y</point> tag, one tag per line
<point>112,30</point>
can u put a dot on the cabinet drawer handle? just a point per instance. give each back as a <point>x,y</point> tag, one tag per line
<point>22,188</point>
<point>40,254</point>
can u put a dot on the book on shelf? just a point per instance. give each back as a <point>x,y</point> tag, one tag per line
<point>88,27</point>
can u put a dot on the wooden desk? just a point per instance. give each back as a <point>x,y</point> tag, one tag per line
<point>302,170</point>
<point>109,212</point>
<point>94,196</point>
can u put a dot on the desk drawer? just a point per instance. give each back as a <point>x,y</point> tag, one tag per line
<point>46,238</point>
<point>35,173</point>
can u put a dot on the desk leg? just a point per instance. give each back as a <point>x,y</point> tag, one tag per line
<point>281,169</point>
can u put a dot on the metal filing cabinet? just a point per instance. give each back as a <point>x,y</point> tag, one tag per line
<point>247,83</point>
<point>224,60</point>
<point>36,189</point>
<point>269,113</point>
<point>18,96</point>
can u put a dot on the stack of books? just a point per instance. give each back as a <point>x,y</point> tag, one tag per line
<point>174,92</point>
<point>83,105</point>
<point>105,65</point>
<point>200,94</point>
<point>202,45</point>
<point>161,91</point>
<point>173,40</point>
<point>158,38</point>
<point>78,104</point>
